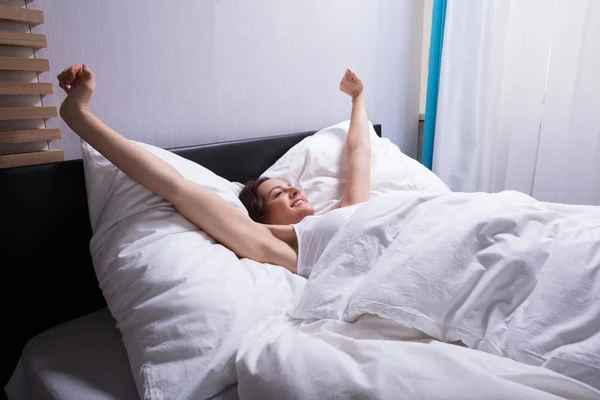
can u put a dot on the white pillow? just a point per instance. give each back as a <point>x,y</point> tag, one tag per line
<point>182,302</point>
<point>317,165</point>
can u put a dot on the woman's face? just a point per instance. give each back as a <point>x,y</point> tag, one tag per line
<point>283,204</point>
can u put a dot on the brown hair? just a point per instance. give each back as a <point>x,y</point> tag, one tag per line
<point>251,199</point>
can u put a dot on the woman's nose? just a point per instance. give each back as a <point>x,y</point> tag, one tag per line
<point>294,191</point>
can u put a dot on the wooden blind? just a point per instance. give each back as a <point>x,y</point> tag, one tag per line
<point>16,121</point>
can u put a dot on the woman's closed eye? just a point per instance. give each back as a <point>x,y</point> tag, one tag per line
<point>279,192</point>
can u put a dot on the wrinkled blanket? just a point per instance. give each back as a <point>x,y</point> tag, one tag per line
<point>503,273</point>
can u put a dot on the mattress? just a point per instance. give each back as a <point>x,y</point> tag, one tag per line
<point>80,359</point>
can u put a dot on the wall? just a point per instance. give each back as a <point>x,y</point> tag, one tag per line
<point>427,14</point>
<point>188,72</point>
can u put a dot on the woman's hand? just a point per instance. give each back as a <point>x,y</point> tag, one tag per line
<point>78,81</point>
<point>351,84</point>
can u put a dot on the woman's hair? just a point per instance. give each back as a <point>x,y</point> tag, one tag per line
<point>251,199</point>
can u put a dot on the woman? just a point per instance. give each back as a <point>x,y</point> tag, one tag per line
<point>278,231</point>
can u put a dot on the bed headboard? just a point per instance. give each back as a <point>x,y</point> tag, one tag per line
<point>47,276</point>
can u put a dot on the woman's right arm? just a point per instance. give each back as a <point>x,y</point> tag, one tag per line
<point>201,206</point>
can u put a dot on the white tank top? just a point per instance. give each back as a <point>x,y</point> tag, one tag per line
<point>315,232</point>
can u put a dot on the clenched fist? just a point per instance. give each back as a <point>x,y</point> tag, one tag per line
<point>78,81</point>
<point>351,84</point>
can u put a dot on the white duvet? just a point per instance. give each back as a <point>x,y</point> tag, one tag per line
<point>514,278</point>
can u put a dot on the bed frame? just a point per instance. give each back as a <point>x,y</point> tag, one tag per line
<point>47,276</point>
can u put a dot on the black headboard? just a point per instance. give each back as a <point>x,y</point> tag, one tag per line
<point>46,273</point>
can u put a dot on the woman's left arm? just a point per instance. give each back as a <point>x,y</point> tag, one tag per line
<point>358,144</point>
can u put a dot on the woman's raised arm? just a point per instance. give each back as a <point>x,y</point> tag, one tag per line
<point>202,207</point>
<point>358,144</point>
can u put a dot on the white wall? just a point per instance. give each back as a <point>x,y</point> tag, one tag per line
<point>427,14</point>
<point>177,73</point>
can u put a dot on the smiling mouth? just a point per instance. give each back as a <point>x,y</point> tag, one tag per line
<point>297,203</point>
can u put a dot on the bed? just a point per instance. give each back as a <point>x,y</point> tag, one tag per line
<point>236,328</point>
<point>47,273</point>
<point>80,359</point>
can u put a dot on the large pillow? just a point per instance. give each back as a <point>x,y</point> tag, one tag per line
<point>317,165</point>
<point>182,302</point>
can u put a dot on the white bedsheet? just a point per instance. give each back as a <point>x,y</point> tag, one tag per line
<point>374,358</point>
<point>80,359</point>
<point>516,280</point>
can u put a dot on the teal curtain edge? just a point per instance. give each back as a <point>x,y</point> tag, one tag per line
<point>438,20</point>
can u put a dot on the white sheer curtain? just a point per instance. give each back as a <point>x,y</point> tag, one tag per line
<point>519,99</point>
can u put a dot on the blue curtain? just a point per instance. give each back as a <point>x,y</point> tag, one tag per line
<point>433,79</point>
